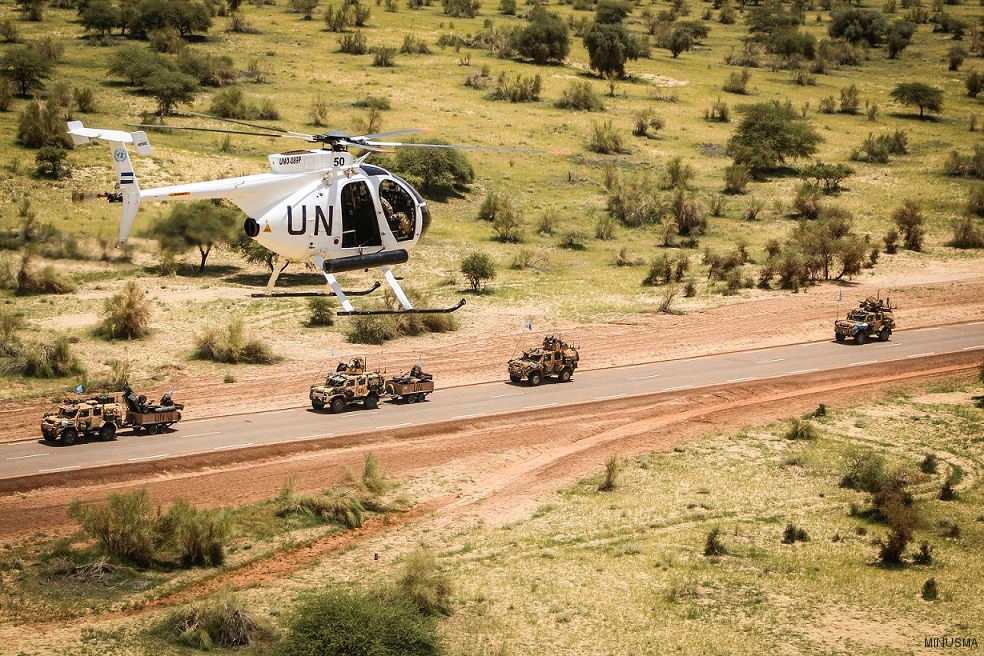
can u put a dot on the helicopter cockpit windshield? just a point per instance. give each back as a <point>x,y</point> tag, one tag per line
<point>359,224</point>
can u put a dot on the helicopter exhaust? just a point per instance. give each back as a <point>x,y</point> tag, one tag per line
<point>367,261</point>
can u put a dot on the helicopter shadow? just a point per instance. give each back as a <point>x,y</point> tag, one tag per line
<point>297,279</point>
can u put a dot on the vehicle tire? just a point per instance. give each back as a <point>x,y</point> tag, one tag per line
<point>372,401</point>
<point>535,379</point>
<point>107,432</point>
<point>565,375</point>
<point>49,438</point>
<point>317,404</point>
<point>884,335</point>
<point>152,429</point>
<point>337,405</point>
<point>515,379</point>
<point>860,337</point>
<point>839,337</point>
<point>411,398</point>
<point>69,436</point>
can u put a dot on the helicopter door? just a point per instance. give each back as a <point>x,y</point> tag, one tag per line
<point>360,226</point>
<point>399,208</point>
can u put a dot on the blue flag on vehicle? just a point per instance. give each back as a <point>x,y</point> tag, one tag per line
<point>78,389</point>
<point>529,326</point>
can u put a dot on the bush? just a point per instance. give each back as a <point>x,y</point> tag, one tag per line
<point>770,133</point>
<point>855,25</point>
<point>800,429</point>
<point>947,491</point>
<point>412,45</point>
<point>712,544</point>
<point>645,121</point>
<point>574,239</point>
<point>424,585</point>
<point>909,219</point>
<point>199,534</point>
<point>967,234</point>
<point>736,179</point>
<point>792,534</point>
<point>354,623</point>
<point>520,89</point>
<point>929,464</point>
<point>478,268</point>
<point>850,100</point>
<point>902,520</point>
<point>610,481</point>
<point>370,330</point>
<point>605,139</point>
<point>830,175</point>
<point>968,166</point>
<point>221,621</point>
<point>461,8</point>
<point>891,241</point>
<point>340,507</point>
<point>807,201</point>
<point>930,590</point>
<point>544,39</point>
<point>127,314</point>
<point>605,228</point>
<point>10,324</point>
<point>678,173</point>
<point>865,472</point>
<point>737,82</point>
<point>580,96</point>
<point>435,173</point>
<point>353,44</point>
<point>507,7</point>
<point>384,57</point>
<point>322,312</point>
<point>123,527</point>
<point>975,200</point>
<point>925,554</point>
<point>52,358</point>
<point>40,124</point>
<point>232,346</point>
<point>974,82</point>
<point>718,112</point>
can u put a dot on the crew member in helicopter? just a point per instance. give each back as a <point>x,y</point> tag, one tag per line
<point>399,222</point>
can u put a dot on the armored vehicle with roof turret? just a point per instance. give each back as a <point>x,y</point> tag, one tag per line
<point>349,384</point>
<point>555,358</point>
<point>873,319</point>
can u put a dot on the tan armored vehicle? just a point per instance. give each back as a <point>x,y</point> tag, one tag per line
<point>411,387</point>
<point>99,415</point>
<point>872,319</point>
<point>555,358</point>
<point>349,384</point>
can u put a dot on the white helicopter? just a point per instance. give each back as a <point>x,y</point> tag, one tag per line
<point>317,205</point>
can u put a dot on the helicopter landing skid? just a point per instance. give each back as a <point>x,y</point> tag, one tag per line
<point>356,292</point>
<point>447,310</point>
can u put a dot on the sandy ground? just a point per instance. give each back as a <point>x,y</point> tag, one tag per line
<point>935,294</point>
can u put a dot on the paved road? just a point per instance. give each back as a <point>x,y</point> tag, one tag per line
<point>34,456</point>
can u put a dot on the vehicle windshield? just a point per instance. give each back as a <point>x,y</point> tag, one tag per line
<point>67,411</point>
<point>334,380</point>
<point>856,315</point>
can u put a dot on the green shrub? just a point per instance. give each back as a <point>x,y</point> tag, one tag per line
<point>40,124</point>
<point>231,345</point>
<point>929,464</point>
<point>967,234</point>
<point>965,166</point>
<point>974,82</point>
<point>199,534</point>
<point>461,8</point>
<point>221,621</point>
<point>423,583</point>
<point>580,96</point>
<point>370,330</point>
<point>605,139</point>
<point>807,201</point>
<point>975,200</point>
<point>127,314</point>
<point>800,429</point>
<point>436,173</point>
<point>478,268</point>
<point>123,527</point>
<point>712,543</point>
<point>412,45</point>
<point>647,120</point>
<point>11,323</point>
<point>49,162</point>
<point>902,520</point>
<point>353,44</point>
<point>322,312</point>
<point>518,89</point>
<point>736,179</point>
<point>610,481</point>
<point>340,622</point>
<point>384,57</point>
<point>865,472</point>
<point>909,219</point>
<point>792,534</point>
<point>338,506</point>
<point>930,590</point>
<point>52,358</point>
<point>737,82</point>
<point>574,239</point>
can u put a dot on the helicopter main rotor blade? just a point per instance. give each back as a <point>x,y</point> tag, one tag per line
<point>270,135</point>
<point>237,122</point>
<point>498,149</point>
<point>352,144</point>
<point>370,137</point>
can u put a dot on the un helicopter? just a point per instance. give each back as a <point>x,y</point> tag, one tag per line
<point>320,205</point>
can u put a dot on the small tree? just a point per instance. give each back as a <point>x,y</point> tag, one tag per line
<point>974,83</point>
<point>909,219</point>
<point>127,314</point>
<point>171,88</point>
<point>26,68</point>
<point>479,268</point>
<point>768,134</point>
<point>544,39</point>
<point>899,37</point>
<point>49,161</point>
<point>304,7</point>
<point>100,16</point>
<point>918,94</point>
<point>199,224</point>
<point>609,46</point>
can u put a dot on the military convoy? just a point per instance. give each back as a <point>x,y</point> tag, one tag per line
<point>101,416</point>
<point>873,319</point>
<point>351,384</point>
<point>555,358</point>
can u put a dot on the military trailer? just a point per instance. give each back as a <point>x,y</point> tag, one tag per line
<point>555,358</point>
<point>101,416</point>
<point>412,387</point>
<point>873,319</point>
<point>342,389</point>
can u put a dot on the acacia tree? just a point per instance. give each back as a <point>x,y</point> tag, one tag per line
<point>544,39</point>
<point>768,134</point>
<point>100,16</point>
<point>919,94</point>
<point>609,46</point>
<point>200,224</point>
<point>170,88</point>
<point>26,68</point>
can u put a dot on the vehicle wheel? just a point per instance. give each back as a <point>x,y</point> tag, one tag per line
<point>107,432</point>
<point>422,397</point>
<point>69,436</point>
<point>411,398</point>
<point>49,438</point>
<point>337,405</point>
<point>371,402</point>
<point>535,378</point>
<point>565,375</point>
<point>839,337</point>
<point>884,335</point>
<point>860,337</point>
<point>152,429</point>
<point>515,379</point>
<point>317,404</point>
